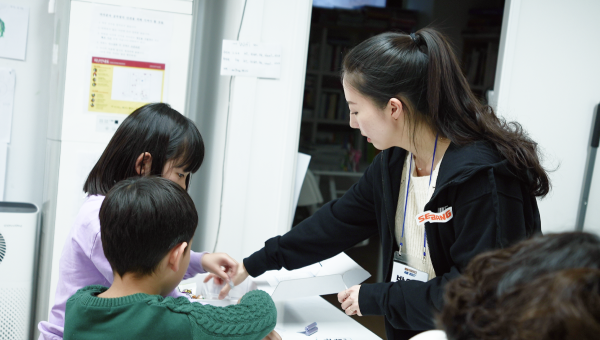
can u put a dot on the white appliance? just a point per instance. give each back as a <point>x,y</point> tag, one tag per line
<point>18,266</point>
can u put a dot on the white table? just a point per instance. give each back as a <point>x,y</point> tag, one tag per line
<point>295,314</point>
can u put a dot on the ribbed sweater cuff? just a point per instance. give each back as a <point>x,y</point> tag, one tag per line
<point>254,263</point>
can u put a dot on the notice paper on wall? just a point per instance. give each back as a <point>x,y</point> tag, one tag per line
<point>129,51</point>
<point>251,59</point>
<point>14,22</point>
<point>7,97</point>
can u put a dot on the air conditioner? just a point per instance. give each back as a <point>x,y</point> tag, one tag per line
<point>18,261</point>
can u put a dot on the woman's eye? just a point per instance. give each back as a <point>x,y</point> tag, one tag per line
<point>181,175</point>
<point>354,113</point>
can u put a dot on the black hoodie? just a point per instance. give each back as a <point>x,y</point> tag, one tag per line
<point>491,208</point>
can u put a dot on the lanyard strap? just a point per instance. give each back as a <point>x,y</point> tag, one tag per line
<point>406,200</point>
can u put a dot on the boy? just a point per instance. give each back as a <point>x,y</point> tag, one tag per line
<point>147,225</point>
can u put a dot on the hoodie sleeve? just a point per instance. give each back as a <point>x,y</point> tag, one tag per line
<point>337,226</point>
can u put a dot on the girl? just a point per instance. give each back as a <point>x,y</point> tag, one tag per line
<point>153,140</point>
<point>453,180</point>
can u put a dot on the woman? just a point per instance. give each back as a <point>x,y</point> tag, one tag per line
<point>452,180</point>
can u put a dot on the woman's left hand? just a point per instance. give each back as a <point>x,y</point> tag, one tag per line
<point>349,300</point>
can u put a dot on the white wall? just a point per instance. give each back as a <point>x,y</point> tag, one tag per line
<point>548,79</point>
<point>262,130</point>
<point>26,152</point>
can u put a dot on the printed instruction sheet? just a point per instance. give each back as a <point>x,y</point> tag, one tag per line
<point>128,58</point>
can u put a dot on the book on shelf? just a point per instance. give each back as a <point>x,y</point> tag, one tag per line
<point>332,105</point>
<point>312,61</point>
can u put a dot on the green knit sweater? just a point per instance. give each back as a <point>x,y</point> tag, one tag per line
<point>143,316</point>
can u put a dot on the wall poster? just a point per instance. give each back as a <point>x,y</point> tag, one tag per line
<point>128,62</point>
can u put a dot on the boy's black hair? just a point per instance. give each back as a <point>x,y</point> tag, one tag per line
<point>141,220</point>
<point>155,128</point>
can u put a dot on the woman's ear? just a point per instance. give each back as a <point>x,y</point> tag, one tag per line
<point>143,164</point>
<point>176,254</point>
<point>396,108</point>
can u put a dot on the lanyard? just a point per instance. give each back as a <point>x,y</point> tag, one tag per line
<point>406,200</point>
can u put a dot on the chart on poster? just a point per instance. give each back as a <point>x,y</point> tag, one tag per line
<point>128,59</point>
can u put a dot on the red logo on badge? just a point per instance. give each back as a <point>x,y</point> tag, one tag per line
<point>441,217</point>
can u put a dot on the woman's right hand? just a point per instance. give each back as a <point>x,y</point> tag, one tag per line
<point>237,278</point>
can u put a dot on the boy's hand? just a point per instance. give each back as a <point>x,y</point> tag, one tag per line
<point>221,266</point>
<point>272,336</point>
<point>238,278</point>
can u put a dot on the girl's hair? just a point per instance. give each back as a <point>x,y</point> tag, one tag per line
<point>155,128</point>
<point>547,287</point>
<point>422,71</point>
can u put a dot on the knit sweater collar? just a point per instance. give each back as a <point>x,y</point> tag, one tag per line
<point>90,298</point>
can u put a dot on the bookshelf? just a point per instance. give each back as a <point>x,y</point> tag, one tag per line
<point>481,41</point>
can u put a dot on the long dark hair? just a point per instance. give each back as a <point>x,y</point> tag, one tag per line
<point>547,287</point>
<point>422,71</point>
<point>155,128</point>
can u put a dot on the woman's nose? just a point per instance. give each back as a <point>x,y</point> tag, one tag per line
<point>353,122</point>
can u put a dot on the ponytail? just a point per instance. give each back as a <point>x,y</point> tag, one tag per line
<point>421,70</point>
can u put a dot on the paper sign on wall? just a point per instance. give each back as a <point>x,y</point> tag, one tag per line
<point>250,59</point>
<point>128,59</point>
<point>14,22</point>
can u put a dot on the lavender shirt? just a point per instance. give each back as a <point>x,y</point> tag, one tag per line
<point>83,263</point>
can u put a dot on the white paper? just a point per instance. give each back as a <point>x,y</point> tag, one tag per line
<point>7,97</point>
<point>301,167</point>
<point>14,22</point>
<point>334,275</point>
<point>302,273</point>
<point>251,59</point>
<point>131,34</point>
<point>3,162</point>
<point>128,59</point>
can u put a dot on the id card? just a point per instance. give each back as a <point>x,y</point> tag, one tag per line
<point>403,272</point>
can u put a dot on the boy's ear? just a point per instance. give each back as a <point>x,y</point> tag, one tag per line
<point>143,163</point>
<point>175,256</point>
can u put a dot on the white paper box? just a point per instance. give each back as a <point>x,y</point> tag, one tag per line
<point>336,274</point>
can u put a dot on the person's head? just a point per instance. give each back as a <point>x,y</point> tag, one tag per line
<point>153,140</point>
<point>399,85</point>
<point>146,226</point>
<point>547,287</point>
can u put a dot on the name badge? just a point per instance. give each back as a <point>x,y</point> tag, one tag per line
<point>403,272</point>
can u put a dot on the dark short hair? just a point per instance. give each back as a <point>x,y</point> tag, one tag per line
<point>155,128</point>
<point>141,220</point>
<point>547,287</point>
